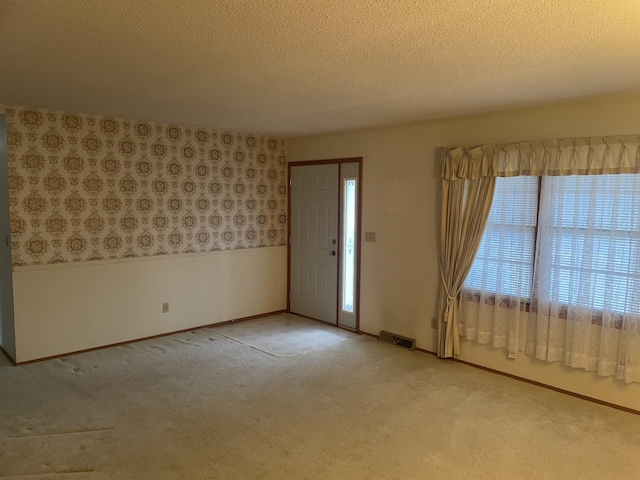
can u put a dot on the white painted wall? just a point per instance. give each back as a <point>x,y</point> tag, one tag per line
<point>70,307</point>
<point>401,190</point>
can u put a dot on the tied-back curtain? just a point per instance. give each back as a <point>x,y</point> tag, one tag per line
<point>465,208</point>
<point>578,301</point>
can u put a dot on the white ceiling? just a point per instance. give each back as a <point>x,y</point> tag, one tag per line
<point>296,67</point>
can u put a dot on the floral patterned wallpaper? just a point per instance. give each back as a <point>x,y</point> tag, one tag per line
<point>88,187</point>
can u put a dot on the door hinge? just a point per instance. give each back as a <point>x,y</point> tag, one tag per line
<point>289,182</point>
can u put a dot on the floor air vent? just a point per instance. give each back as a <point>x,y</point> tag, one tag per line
<point>394,339</point>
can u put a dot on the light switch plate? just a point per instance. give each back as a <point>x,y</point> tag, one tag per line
<point>370,237</point>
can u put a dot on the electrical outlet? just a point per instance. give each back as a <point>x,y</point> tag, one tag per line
<point>165,307</point>
<point>370,237</point>
<point>434,323</point>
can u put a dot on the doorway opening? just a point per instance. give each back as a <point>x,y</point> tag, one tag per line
<point>7,326</point>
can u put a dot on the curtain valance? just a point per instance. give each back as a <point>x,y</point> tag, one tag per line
<point>567,156</point>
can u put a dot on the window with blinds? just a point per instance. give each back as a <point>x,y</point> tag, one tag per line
<point>590,229</point>
<point>504,262</point>
<point>586,236</point>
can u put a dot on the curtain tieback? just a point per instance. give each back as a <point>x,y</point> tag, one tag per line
<point>449,300</point>
<point>450,297</point>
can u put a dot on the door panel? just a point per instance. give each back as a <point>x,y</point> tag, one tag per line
<point>314,237</point>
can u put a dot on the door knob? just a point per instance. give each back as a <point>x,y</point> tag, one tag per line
<point>332,253</point>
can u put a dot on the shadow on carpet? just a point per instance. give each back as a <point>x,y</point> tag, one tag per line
<point>284,335</point>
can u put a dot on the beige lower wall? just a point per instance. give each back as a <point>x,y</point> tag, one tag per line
<point>607,389</point>
<point>71,307</point>
<point>401,191</point>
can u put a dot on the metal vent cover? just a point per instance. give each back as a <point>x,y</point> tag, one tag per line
<point>395,339</point>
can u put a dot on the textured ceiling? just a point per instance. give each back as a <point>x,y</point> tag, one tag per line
<point>295,67</point>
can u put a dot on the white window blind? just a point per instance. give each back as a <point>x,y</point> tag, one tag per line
<point>504,262</point>
<point>590,241</point>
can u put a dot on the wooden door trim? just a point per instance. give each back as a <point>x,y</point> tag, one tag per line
<point>339,162</point>
<point>360,242</point>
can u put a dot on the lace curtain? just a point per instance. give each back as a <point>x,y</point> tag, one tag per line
<point>578,300</point>
<point>587,283</point>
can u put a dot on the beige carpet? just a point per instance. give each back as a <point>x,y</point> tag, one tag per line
<point>285,335</point>
<point>201,406</point>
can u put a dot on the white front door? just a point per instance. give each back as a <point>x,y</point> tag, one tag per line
<point>314,241</point>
